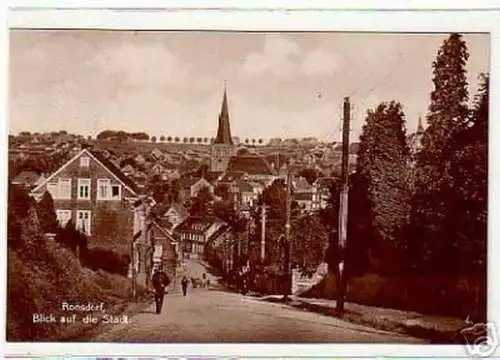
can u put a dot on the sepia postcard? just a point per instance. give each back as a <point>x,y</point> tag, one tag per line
<point>248,187</point>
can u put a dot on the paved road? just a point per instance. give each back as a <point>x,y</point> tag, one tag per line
<point>218,316</point>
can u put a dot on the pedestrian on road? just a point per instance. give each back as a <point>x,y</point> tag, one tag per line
<point>184,284</point>
<point>160,282</point>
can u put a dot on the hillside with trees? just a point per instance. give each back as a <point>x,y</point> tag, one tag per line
<point>417,230</point>
<point>44,273</point>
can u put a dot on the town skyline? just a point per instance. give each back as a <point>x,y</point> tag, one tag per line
<point>107,80</point>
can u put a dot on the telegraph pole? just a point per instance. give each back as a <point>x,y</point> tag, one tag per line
<point>342,241</point>
<point>263,234</point>
<point>288,242</point>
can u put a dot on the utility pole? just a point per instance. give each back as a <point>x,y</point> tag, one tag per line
<point>288,240</point>
<point>342,241</point>
<point>263,234</point>
<point>148,256</point>
<point>139,218</point>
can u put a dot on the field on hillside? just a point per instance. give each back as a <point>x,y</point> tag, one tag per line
<point>145,147</point>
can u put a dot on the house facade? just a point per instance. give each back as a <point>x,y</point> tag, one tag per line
<point>165,249</point>
<point>96,196</point>
<point>306,195</point>
<point>191,187</point>
<point>194,233</point>
<point>176,214</point>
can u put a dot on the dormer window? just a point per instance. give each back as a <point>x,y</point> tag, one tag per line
<point>84,161</point>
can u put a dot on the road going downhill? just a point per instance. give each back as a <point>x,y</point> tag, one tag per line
<point>218,316</point>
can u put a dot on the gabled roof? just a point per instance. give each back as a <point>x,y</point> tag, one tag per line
<point>230,176</point>
<point>219,232</point>
<point>205,222</point>
<point>301,185</point>
<point>244,186</point>
<point>163,229</point>
<point>252,164</point>
<point>179,209</point>
<point>277,159</point>
<point>186,183</point>
<point>27,178</point>
<point>115,171</point>
<point>106,164</point>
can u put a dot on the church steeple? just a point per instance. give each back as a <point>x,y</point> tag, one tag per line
<point>224,130</point>
<point>420,127</point>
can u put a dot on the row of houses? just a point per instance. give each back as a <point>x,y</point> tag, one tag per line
<point>102,202</point>
<point>92,192</point>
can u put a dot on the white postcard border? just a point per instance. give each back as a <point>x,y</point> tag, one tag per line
<point>419,21</point>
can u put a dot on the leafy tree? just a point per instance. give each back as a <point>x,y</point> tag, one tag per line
<point>310,240</point>
<point>199,140</point>
<point>19,203</point>
<point>205,140</point>
<point>311,175</point>
<point>201,205</point>
<point>73,239</point>
<point>185,140</point>
<point>274,198</point>
<point>162,138</point>
<point>261,141</point>
<point>169,138</point>
<point>174,191</point>
<point>153,139</point>
<point>158,188</point>
<point>47,214</point>
<point>382,166</point>
<point>247,141</point>
<point>177,139</point>
<point>191,139</point>
<point>225,211</point>
<point>447,118</point>
<point>253,141</point>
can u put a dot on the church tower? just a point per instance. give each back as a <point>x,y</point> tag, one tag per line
<point>222,148</point>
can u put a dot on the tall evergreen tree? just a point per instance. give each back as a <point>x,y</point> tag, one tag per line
<point>382,167</point>
<point>46,214</point>
<point>466,220</point>
<point>447,117</point>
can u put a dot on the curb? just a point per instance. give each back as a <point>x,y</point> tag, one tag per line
<point>406,327</point>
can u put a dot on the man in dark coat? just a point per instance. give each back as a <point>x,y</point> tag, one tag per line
<point>184,284</point>
<point>160,282</point>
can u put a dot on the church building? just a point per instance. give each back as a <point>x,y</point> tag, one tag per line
<point>223,147</point>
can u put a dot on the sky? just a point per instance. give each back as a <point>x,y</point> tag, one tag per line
<point>287,85</point>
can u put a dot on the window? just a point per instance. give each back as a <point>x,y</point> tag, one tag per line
<point>115,192</point>
<point>84,161</point>
<point>60,189</point>
<point>103,189</point>
<point>63,216</point>
<point>84,189</point>
<point>52,188</point>
<point>65,189</point>
<point>106,191</point>
<point>83,221</point>
<point>158,251</point>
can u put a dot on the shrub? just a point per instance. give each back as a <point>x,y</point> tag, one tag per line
<point>102,259</point>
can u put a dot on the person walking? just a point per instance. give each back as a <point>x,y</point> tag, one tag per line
<point>160,282</point>
<point>184,284</point>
